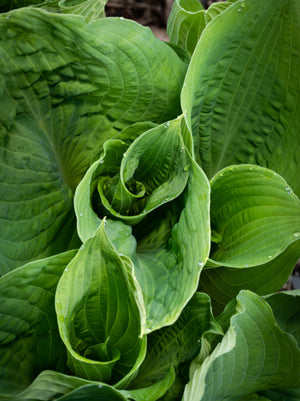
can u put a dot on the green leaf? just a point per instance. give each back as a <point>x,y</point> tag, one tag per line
<point>153,392</point>
<point>247,361</point>
<point>254,216</point>
<point>100,313</point>
<point>188,19</point>
<point>178,343</point>
<point>94,392</point>
<point>241,96</point>
<point>66,87</point>
<point>170,254</point>
<point>169,212</point>
<point>224,283</point>
<point>50,385</point>
<point>153,171</point>
<point>29,337</point>
<point>286,306</point>
<point>89,9</point>
<point>282,395</point>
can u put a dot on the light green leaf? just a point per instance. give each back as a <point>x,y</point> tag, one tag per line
<point>224,283</point>
<point>247,361</point>
<point>254,216</point>
<point>101,314</point>
<point>188,19</point>
<point>29,337</point>
<point>66,87</point>
<point>241,95</point>
<point>170,254</point>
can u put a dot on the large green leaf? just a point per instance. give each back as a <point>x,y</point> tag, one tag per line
<point>29,337</point>
<point>247,360</point>
<point>254,216</point>
<point>101,314</point>
<point>155,186</point>
<point>66,87</point>
<point>241,92</point>
<point>224,283</point>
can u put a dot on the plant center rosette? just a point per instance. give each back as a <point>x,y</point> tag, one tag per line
<point>153,202</point>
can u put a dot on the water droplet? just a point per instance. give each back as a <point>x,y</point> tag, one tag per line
<point>100,386</point>
<point>124,154</point>
<point>166,125</point>
<point>199,341</point>
<point>201,264</point>
<point>121,18</point>
<point>57,301</point>
<point>243,4</point>
<point>186,168</point>
<point>184,84</point>
<point>296,234</point>
<point>182,149</point>
<point>185,115</point>
<point>147,331</point>
<point>288,190</point>
<point>239,10</point>
<point>270,256</point>
<point>245,265</point>
<point>7,17</point>
<point>167,199</point>
<point>66,270</point>
<point>81,214</point>
<point>101,161</point>
<point>81,248</point>
<point>121,254</point>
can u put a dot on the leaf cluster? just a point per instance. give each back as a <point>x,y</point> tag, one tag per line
<point>149,203</point>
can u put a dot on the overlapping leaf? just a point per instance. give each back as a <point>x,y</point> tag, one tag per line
<point>241,91</point>
<point>66,87</point>
<point>101,313</point>
<point>178,343</point>
<point>158,188</point>
<point>247,361</point>
<point>224,283</point>
<point>29,338</point>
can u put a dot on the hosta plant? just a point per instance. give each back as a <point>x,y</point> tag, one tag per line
<point>149,203</point>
